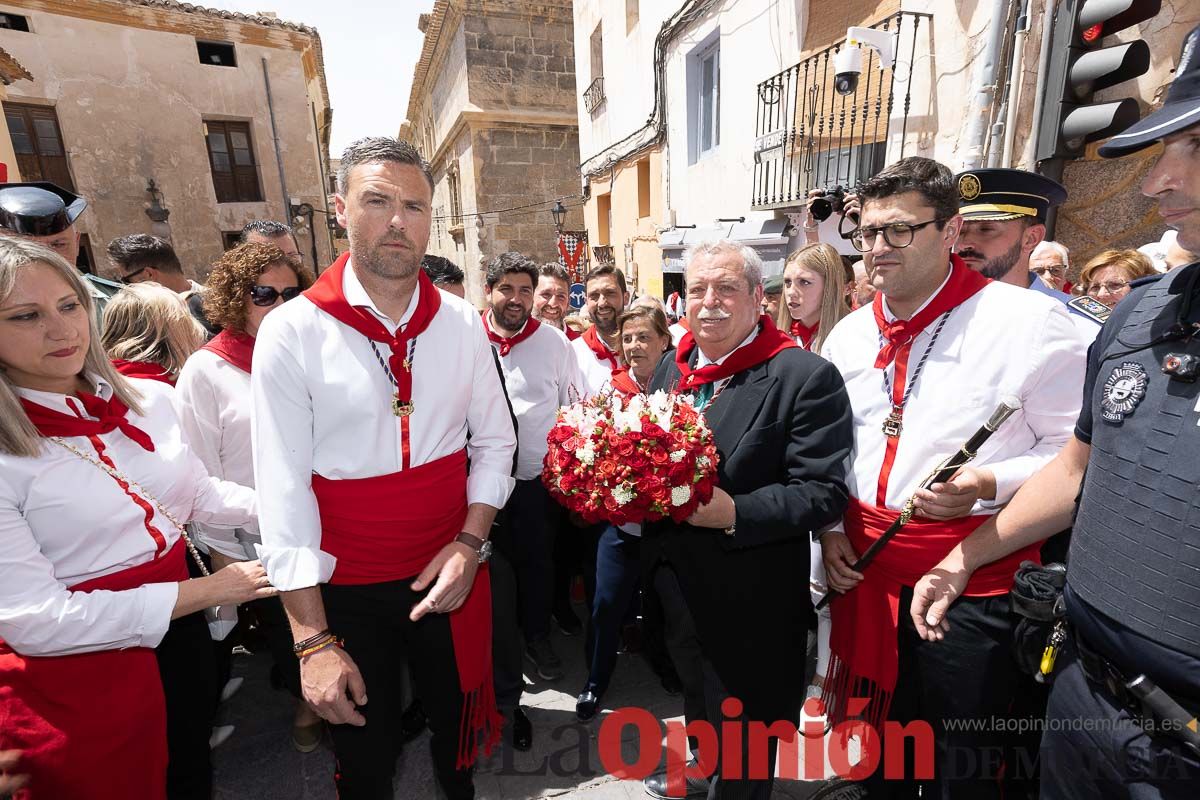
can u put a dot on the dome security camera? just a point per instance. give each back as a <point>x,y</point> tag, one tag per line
<point>847,66</point>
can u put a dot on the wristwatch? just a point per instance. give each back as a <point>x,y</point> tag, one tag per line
<point>482,547</point>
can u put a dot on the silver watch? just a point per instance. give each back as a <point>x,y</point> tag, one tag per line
<point>482,547</point>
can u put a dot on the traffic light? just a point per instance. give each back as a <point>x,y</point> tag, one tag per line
<point>1081,65</point>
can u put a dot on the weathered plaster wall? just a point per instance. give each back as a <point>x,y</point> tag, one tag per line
<point>131,102</point>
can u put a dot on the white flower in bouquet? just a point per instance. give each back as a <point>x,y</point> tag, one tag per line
<point>623,494</point>
<point>678,456</point>
<point>680,495</point>
<point>587,455</point>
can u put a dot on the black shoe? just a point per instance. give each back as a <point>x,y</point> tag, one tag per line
<point>586,706</point>
<point>567,622</point>
<point>656,786</point>
<point>412,722</point>
<point>546,662</point>
<point>521,732</point>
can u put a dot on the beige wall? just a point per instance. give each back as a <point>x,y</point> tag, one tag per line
<point>628,225</point>
<point>132,100</point>
<point>7,156</point>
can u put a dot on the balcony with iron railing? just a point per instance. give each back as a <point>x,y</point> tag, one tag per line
<point>593,96</point>
<point>808,136</point>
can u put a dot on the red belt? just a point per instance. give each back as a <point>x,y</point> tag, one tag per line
<point>91,725</point>
<point>863,638</point>
<point>388,528</point>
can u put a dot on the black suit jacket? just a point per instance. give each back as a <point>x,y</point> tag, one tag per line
<point>783,431</point>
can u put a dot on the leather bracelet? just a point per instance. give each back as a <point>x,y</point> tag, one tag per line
<point>310,641</point>
<point>332,641</point>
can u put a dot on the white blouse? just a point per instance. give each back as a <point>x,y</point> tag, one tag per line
<point>323,404</point>
<point>1002,341</point>
<point>212,398</point>
<point>64,521</point>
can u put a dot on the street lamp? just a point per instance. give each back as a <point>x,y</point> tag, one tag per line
<point>559,212</point>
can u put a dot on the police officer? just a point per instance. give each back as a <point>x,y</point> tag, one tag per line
<point>1004,219</point>
<point>1126,694</point>
<point>45,213</point>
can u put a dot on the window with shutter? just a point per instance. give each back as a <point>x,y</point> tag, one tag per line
<point>38,143</point>
<point>231,157</point>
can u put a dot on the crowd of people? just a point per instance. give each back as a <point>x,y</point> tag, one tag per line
<point>350,465</point>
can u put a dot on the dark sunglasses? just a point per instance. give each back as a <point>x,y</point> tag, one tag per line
<point>126,278</point>
<point>267,295</point>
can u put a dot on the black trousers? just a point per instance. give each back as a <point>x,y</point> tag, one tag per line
<point>527,540</point>
<point>703,691</point>
<point>186,663</point>
<point>373,621</point>
<point>507,647</point>
<point>1093,750</point>
<point>968,678</point>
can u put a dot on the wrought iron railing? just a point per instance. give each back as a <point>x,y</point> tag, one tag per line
<point>593,96</point>
<point>807,136</point>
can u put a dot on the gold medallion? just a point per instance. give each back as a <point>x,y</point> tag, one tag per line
<point>969,187</point>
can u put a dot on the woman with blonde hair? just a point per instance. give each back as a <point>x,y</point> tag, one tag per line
<point>96,482</point>
<point>149,332</point>
<point>815,295</point>
<point>1107,276</point>
<point>213,399</point>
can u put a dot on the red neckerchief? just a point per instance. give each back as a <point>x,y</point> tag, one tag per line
<point>804,333</point>
<point>899,334</point>
<point>571,333</point>
<point>143,369</point>
<point>769,342</point>
<point>109,414</point>
<point>623,381</point>
<point>591,337</point>
<point>327,294</point>
<point>236,348</point>
<point>503,344</point>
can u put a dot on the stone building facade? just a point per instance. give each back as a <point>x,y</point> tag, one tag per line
<point>492,108</point>
<point>221,110</point>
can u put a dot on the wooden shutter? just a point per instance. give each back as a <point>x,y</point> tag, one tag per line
<point>38,143</point>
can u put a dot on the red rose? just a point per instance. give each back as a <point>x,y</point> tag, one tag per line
<point>651,430</point>
<point>623,447</point>
<point>659,456</point>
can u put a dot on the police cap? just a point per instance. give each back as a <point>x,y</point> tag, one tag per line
<point>38,209</point>
<point>998,194</point>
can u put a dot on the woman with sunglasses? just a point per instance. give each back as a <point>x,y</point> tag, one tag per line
<point>148,332</point>
<point>213,398</point>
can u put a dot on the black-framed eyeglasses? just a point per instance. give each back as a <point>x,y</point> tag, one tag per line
<point>267,295</point>
<point>126,279</point>
<point>896,234</point>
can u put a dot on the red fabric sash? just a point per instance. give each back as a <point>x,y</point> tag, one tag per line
<point>863,638</point>
<point>899,333</point>
<point>389,527</point>
<point>327,294</point>
<point>110,415</point>
<point>804,333</point>
<point>143,369</point>
<point>91,725</point>
<point>596,344</point>
<point>769,342</point>
<point>505,344</point>
<point>236,348</point>
<point>624,382</point>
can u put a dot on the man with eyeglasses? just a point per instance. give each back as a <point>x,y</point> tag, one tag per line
<point>1050,262</point>
<point>925,365</point>
<point>268,231</point>
<point>1122,718</point>
<point>139,257</point>
<point>1004,219</point>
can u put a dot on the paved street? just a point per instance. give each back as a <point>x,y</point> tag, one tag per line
<point>258,762</point>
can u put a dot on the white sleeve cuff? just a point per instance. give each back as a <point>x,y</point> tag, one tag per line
<point>292,568</point>
<point>158,604</point>
<point>489,488</point>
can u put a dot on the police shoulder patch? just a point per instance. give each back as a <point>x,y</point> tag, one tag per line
<point>1124,389</point>
<point>1090,307</point>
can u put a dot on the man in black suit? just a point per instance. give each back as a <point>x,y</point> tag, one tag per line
<point>733,580</point>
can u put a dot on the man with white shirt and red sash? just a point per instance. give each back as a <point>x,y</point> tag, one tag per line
<point>551,302</point>
<point>540,375</point>
<point>733,579</point>
<point>372,528</point>
<point>925,365</point>
<point>596,350</point>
